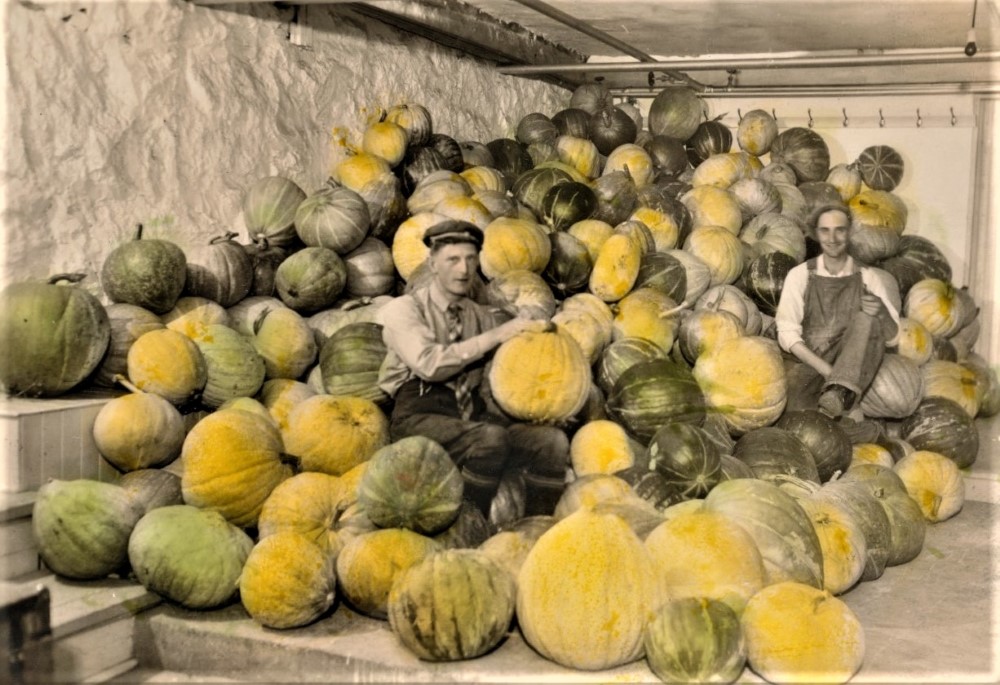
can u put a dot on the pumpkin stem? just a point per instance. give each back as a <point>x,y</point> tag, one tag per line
<point>224,238</point>
<point>674,310</point>
<point>126,383</point>
<point>138,232</point>
<point>259,321</point>
<point>291,460</point>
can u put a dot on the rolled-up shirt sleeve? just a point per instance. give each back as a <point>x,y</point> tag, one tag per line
<point>407,334</point>
<point>791,307</point>
<point>877,287</point>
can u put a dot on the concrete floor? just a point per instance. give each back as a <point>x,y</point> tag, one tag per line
<point>934,619</point>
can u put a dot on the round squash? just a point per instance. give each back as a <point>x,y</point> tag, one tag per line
<point>220,271</point>
<point>287,581</point>
<point>826,440</point>
<point>650,394</point>
<point>146,273</point>
<point>453,605</point>
<point>189,555</point>
<point>233,367</point>
<point>127,322</point>
<point>350,360</point>
<point>269,206</point>
<point>411,483</point>
<point>842,541</point>
<point>191,315</point>
<point>934,482</point>
<point>138,430</point>
<point>686,457</point>
<point>311,504</point>
<point>805,151</point>
<point>600,446</point>
<point>695,640</point>
<point>52,336</point>
<point>895,391</point>
<point>82,526</point>
<point>513,245</point>
<point>675,112</point>
<point>311,279</point>
<point>881,167</point>
<point>941,425</point>
<point>756,132</point>
<point>169,364</point>
<point>370,563</point>
<point>285,342</point>
<point>232,462</point>
<point>586,592</point>
<point>773,453</point>
<point>796,633</point>
<point>333,434</point>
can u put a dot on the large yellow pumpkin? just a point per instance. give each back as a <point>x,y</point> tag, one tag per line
<point>796,633</point>
<point>937,305</point>
<point>408,249</point>
<point>842,540</point>
<point>663,226</point>
<point>592,233</point>
<point>589,320</point>
<point>138,430</point>
<point>540,377</point>
<point>711,206</point>
<point>311,504</point>
<point>601,446</point>
<point>232,462</point>
<point>580,154</point>
<point>287,581</point>
<point>632,158</point>
<point>333,434</point>
<point>720,249</point>
<point>952,381</point>
<point>701,553</point>
<point>586,591</point>
<point>721,170</point>
<point>280,395</point>
<point>743,379</point>
<point>513,245</point>
<point>649,314</point>
<point>167,363</point>
<point>934,482</point>
<point>286,343</point>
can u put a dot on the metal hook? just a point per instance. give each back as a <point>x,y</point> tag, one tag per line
<point>881,119</point>
<point>953,119</point>
<point>920,122</point>
<point>844,110</point>
<point>810,112</point>
<point>739,114</point>
<point>775,116</point>
<point>650,79</point>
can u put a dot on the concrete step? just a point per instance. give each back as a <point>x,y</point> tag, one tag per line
<point>925,621</point>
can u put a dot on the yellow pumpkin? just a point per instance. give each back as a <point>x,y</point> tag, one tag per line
<point>743,379</point>
<point>286,343</point>
<point>586,591</point>
<point>720,249</point>
<point>878,209</point>
<point>167,363</point>
<point>368,565</point>
<point>703,329</point>
<point>359,169</point>
<point>663,226</point>
<point>952,381</point>
<point>311,504</point>
<point>589,490</point>
<point>514,245</point>
<point>408,249</point>
<point>385,139</point>
<point>287,581</point>
<point>649,314</point>
<point>592,233</point>
<point>915,341</point>
<point>191,315</point>
<point>484,178</point>
<point>249,404</point>
<point>588,320</point>
<point>464,209</point>
<point>937,305</point>
<point>616,267</point>
<point>722,170</point>
<point>280,395</point>
<point>796,633</point>
<point>701,553</point>
<point>139,430</point>
<point>601,446</point>
<point>232,462</point>
<point>332,434</point>
<point>871,453</point>
<point>580,154</point>
<point>711,206</point>
<point>842,540</point>
<point>934,481</point>
<point>540,377</point>
<point>631,158</point>
<point>435,187</point>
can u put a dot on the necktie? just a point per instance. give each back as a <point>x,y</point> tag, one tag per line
<point>463,392</point>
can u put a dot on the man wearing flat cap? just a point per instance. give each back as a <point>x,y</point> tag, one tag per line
<point>439,341</point>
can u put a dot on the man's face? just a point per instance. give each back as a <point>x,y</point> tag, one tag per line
<point>454,266</point>
<point>833,233</point>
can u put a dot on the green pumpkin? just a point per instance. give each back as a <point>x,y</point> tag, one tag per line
<point>686,456</point>
<point>826,440</point>
<point>650,394</point>
<point>943,426</point>
<point>269,210</point>
<point>566,203</point>
<point>411,483</point>
<point>189,555</point>
<point>311,279</point>
<point>695,640</point>
<point>805,151</point>
<point>52,337</point>
<point>146,273</point>
<point>234,367</point>
<point>772,453</point>
<point>82,526</point>
<point>350,360</point>
<point>453,605</point>
<point>782,530</point>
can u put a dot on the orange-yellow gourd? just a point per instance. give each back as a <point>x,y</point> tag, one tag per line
<point>952,381</point>
<point>720,249</point>
<point>513,245</point>
<point>711,206</point>
<point>167,363</point>
<point>934,482</point>
<point>311,504</point>
<point>601,446</point>
<point>281,395</point>
<point>586,591</point>
<point>616,267</point>
<point>333,434</point>
<point>649,314</point>
<point>842,541</point>
<point>663,226</point>
<point>286,343</point>
<point>592,233</point>
<point>138,430</point>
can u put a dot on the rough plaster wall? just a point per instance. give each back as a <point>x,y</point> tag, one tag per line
<point>163,112</point>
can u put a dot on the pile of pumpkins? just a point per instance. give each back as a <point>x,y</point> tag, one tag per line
<point>700,516</point>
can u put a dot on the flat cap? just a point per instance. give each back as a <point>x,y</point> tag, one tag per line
<point>448,232</point>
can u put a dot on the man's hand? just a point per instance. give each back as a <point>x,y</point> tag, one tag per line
<point>870,304</point>
<point>519,325</point>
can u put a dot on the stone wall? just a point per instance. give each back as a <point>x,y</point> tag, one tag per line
<point>162,112</point>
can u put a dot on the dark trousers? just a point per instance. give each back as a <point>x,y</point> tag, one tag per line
<point>486,447</point>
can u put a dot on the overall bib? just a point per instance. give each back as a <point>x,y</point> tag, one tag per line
<point>835,328</point>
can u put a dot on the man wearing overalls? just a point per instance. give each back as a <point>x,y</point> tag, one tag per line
<point>438,340</point>
<point>836,318</point>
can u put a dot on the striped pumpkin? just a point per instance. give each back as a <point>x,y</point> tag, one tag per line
<point>881,167</point>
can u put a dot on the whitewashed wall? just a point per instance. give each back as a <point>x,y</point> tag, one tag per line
<point>162,112</point>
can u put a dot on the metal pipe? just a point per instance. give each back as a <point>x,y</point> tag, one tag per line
<point>592,31</point>
<point>931,56</point>
<point>970,88</point>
